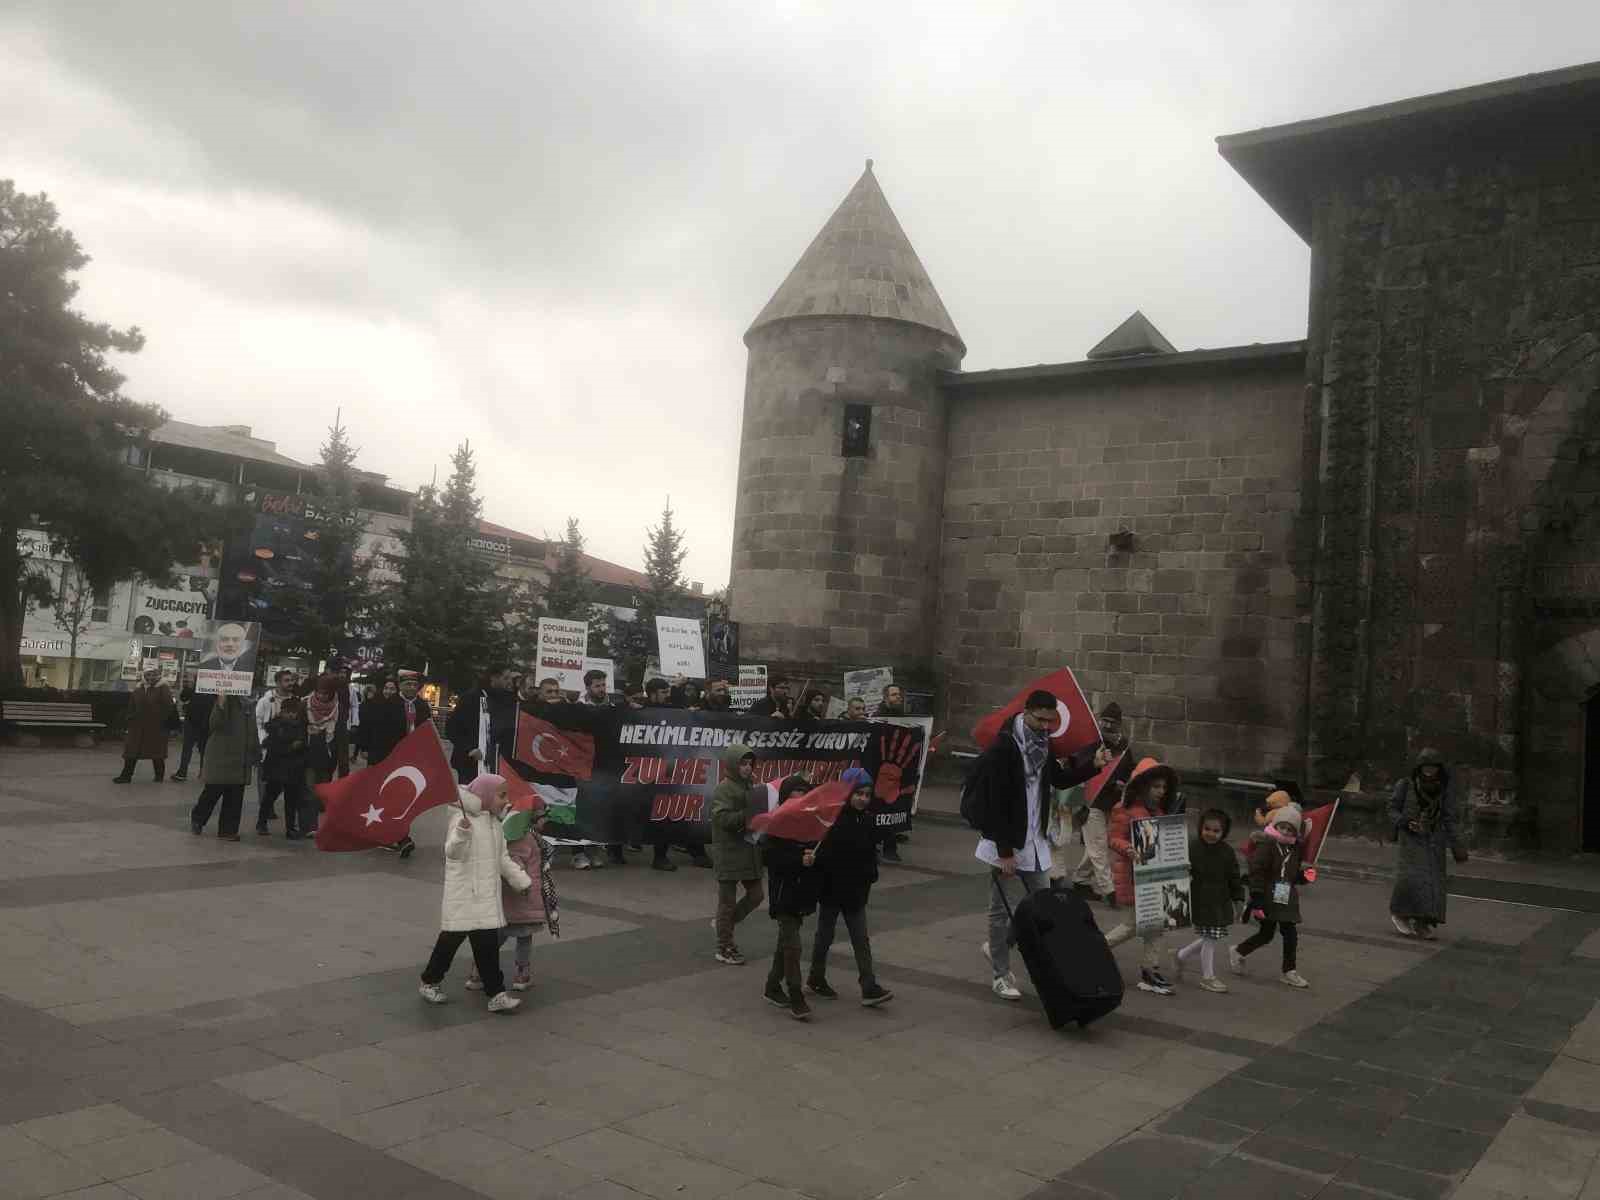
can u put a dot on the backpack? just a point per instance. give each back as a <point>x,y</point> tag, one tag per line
<point>974,798</point>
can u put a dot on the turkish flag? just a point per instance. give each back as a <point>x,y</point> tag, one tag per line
<point>1075,729</point>
<point>805,818</point>
<point>553,751</point>
<point>376,805</point>
<point>1319,821</point>
<point>1093,788</point>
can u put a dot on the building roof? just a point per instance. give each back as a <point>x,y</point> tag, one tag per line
<point>234,441</point>
<point>1134,336</point>
<point>1284,163</point>
<point>599,569</point>
<point>862,265</point>
<point>1276,355</point>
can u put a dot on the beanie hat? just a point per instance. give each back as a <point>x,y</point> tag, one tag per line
<point>1274,801</point>
<point>1112,712</point>
<point>1288,814</point>
<point>857,778</point>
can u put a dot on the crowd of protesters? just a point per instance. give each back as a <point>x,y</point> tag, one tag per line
<point>1032,809</point>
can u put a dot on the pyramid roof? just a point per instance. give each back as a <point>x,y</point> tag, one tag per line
<point>861,265</point>
<point>1136,335</point>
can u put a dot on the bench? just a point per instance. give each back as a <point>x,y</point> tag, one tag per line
<point>51,715</point>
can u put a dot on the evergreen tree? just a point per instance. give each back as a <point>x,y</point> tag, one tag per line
<point>68,433</point>
<point>570,592</point>
<point>334,603</point>
<point>664,553</point>
<point>447,608</point>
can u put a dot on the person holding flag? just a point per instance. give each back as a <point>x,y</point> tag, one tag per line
<point>475,861</point>
<point>1007,797</point>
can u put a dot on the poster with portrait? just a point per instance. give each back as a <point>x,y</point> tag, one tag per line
<point>228,665</point>
<point>1161,873</point>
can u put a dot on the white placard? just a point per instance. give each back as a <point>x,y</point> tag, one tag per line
<point>869,685</point>
<point>223,683</point>
<point>682,651</point>
<point>752,686</point>
<point>562,646</point>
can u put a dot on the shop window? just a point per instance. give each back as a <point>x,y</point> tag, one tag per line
<point>857,430</point>
<point>100,611</point>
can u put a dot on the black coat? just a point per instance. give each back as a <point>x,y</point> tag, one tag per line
<point>847,861</point>
<point>461,728</point>
<point>384,723</point>
<point>999,789</point>
<point>285,760</point>
<point>1215,883</point>
<point>197,713</point>
<point>791,885</point>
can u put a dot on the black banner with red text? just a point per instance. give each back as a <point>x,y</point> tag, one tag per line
<point>654,770</point>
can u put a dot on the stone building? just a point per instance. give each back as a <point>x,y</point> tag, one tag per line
<point>1308,559</point>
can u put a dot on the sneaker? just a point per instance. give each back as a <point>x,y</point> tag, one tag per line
<point>821,987</point>
<point>391,848</point>
<point>798,1008</point>
<point>474,984</point>
<point>1235,960</point>
<point>523,979</point>
<point>1211,983</point>
<point>663,864</point>
<point>776,996</point>
<point>580,862</point>
<point>433,993</point>
<point>1005,986</point>
<point>1295,980</point>
<point>1154,981</point>
<point>597,862</point>
<point>1402,926</point>
<point>406,847</point>
<point>731,956</point>
<point>505,1002</point>
<point>180,777</point>
<point>1425,931</point>
<point>873,996</point>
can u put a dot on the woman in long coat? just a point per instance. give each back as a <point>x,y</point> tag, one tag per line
<point>150,713</point>
<point>1423,814</point>
<point>232,753</point>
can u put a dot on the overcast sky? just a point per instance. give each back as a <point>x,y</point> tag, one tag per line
<point>545,227</point>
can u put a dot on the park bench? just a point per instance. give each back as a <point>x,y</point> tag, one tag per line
<point>51,716</point>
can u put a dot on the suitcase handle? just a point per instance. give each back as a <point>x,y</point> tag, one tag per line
<point>994,882</point>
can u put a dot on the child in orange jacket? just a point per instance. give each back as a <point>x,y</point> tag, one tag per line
<point>1151,791</point>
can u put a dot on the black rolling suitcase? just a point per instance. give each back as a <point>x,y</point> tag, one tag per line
<point>1066,954</point>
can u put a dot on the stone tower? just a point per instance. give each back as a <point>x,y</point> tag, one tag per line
<point>842,454</point>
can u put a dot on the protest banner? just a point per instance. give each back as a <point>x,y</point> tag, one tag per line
<point>562,647</point>
<point>229,666</point>
<point>1161,873</point>
<point>868,685</point>
<point>682,650</point>
<point>652,775</point>
<point>751,686</point>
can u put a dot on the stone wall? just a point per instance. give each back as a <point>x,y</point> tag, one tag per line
<point>834,557</point>
<point>1193,632</point>
<point>1455,342</point>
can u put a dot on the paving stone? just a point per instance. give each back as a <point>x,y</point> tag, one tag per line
<point>1396,1181</point>
<point>43,1173</point>
<point>1409,1143</point>
<point>1238,1178</point>
<point>1340,1128</point>
<point>84,1126</point>
<point>135,1153</point>
<point>211,1178</point>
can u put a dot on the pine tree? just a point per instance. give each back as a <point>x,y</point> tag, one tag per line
<point>447,608</point>
<point>334,604</point>
<point>570,592</point>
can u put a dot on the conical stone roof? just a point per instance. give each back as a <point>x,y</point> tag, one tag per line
<point>860,265</point>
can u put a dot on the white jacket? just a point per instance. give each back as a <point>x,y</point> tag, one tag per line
<point>475,860</point>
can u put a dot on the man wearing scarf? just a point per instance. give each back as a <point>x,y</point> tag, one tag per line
<point>1009,782</point>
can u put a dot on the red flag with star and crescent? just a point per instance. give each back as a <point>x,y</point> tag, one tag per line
<point>376,805</point>
<point>556,751</point>
<point>1075,728</point>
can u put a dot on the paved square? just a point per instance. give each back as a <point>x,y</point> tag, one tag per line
<point>187,1018</point>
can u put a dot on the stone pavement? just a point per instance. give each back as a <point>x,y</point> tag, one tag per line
<point>186,1018</point>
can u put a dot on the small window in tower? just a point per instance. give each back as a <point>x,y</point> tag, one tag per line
<point>857,430</point>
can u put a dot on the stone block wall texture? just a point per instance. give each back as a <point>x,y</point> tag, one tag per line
<point>834,558</point>
<point>1454,353</point>
<point>1193,633</point>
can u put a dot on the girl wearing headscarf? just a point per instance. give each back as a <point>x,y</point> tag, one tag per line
<point>847,867</point>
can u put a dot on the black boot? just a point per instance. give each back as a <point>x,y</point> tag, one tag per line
<point>127,771</point>
<point>161,769</point>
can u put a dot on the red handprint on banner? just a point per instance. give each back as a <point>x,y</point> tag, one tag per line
<point>898,754</point>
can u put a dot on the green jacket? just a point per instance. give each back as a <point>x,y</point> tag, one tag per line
<point>735,857</point>
<point>234,747</point>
